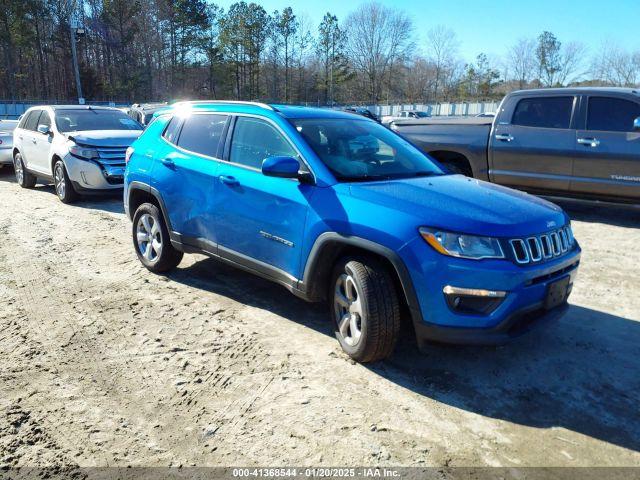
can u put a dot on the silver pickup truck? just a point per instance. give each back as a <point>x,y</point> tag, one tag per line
<point>579,142</point>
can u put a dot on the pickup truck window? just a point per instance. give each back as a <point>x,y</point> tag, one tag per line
<point>201,134</point>
<point>611,114</point>
<point>543,112</point>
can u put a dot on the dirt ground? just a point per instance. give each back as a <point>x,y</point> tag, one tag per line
<point>105,364</point>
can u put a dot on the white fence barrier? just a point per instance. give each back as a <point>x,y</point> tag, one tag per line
<point>438,109</point>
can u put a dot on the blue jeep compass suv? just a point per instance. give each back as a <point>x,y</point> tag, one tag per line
<point>336,207</point>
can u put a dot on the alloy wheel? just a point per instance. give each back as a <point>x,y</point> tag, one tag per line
<point>19,170</point>
<point>58,177</point>
<point>149,238</point>
<point>348,309</point>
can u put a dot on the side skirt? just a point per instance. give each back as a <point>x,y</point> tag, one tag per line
<point>238,260</point>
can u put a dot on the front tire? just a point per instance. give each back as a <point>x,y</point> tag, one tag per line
<point>151,240</point>
<point>24,178</point>
<point>366,309</point>
<point>64,188</point>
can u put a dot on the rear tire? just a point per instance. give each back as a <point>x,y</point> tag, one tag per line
<point>151,240</point>
<point>64,188</point>
<point>365,307</point>
<point>24,178</point>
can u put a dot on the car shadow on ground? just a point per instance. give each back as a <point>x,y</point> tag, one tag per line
<point>620,215</point>
<point>580,373</point>
<point>111,202</point>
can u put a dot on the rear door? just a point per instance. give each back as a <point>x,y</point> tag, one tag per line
<point>607,159</point>
<point>185,174</point>
<point>533,143</point>
<point>28,141</point>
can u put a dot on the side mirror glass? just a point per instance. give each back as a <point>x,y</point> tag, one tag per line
<point>44,129</point>
<point>281,167</point>
<point>636,124</point>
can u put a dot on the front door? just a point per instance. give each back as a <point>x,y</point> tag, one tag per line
<point>607,159</point>
<point>260,220</point>
<point>534,148</point>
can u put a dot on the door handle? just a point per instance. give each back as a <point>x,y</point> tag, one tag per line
<point>589,142</point>
<point>229,180</point>
<point>504,138</point>
<point>167,162</point>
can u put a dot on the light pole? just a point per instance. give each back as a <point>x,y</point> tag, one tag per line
<point>74,54</point>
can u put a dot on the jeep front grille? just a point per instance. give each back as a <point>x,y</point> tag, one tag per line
<point>542,247</point>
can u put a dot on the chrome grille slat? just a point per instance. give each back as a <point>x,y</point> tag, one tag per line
<point>539,248</point>
<point>112,156</point>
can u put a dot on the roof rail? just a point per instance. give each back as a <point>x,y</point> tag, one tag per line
<point>232,102</point>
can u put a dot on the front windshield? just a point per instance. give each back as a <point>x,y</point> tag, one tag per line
<point>83,120</point>
<point>361,150</point>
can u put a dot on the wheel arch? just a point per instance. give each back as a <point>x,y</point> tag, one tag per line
<point>448,157</point>
<point>139,193</point>
<point>329,247</point>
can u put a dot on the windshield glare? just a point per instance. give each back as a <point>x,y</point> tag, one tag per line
<point>83,120</point>
<point>361,150</point>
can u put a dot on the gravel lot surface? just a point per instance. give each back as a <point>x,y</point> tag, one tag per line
<point>105,364</point>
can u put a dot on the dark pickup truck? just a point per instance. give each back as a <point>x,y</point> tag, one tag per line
<point>579,142</point>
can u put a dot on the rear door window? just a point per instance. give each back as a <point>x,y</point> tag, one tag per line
<point>611,114</point>
<point>544,112</point>
<point>201,133</point>
<point>32,120</point>
<point>254,140</point>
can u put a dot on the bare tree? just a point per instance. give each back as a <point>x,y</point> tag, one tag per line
<point>571,63</point>
<point>443,48</point>
<point>615,66</point>
<point>522,61</point>
<point>377,37</point>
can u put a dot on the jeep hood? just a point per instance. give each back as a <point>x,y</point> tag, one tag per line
<point>105,138</point>
<point>460,204</point>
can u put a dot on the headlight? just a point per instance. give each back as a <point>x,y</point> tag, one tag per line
<point>83,152</point>
<point>462,245</point>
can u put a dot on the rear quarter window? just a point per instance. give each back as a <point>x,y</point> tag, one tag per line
<point>172,129</point>
<point>543,112</point>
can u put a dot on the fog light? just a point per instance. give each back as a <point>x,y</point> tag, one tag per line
<point>473,301</point>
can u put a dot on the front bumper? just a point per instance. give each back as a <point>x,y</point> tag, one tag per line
<point>522,309</point>
<point>89,176</point>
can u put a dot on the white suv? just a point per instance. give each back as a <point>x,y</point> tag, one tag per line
<point>81,149</point>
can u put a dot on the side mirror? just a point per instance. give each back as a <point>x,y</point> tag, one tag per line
<point>281,167</point>
<point>636,124</point>
<point>44,129</point>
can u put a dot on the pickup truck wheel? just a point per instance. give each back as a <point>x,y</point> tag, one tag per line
<point>151,240</point>
<point>24,178</point>
<point>365,308</point>
<point>64,188</point>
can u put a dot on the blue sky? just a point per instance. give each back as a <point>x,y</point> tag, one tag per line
<point>492,26</point>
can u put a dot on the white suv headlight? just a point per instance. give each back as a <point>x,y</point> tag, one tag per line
<point>83,152</point>
<point>462,245</point>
